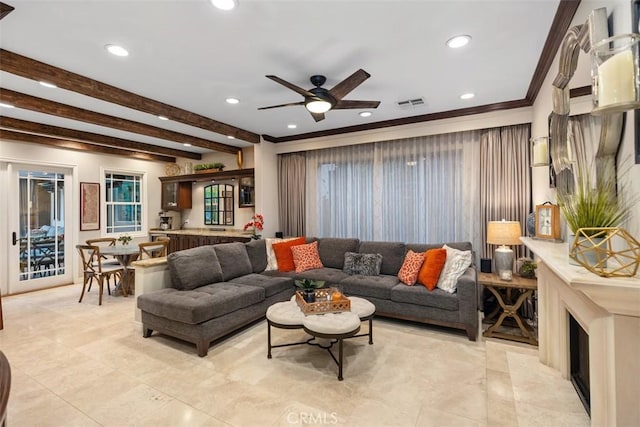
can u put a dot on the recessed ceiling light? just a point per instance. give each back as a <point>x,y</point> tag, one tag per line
<point>232,100</point>
<point>231,137</point>
<point>47,84</point>
<point>467,95</point>
<point>116,50</point>
<point>186,144</point>
<point>3,105</point>
<point>365,114</point>
<point>458,41</point>
<point>292,126</point>
<point>225,4</point>
<point>163,117</point>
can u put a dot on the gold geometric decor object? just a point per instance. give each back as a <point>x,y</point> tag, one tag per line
<point>593,248</point>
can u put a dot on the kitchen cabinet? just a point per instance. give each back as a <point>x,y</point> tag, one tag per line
<point>176,195</point>
<point>181,242</point>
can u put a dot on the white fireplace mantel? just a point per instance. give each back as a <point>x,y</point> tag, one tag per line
<point>608,309</point>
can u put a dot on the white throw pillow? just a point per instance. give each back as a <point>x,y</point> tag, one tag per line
<point>457,263</point>
<point>272,262</point>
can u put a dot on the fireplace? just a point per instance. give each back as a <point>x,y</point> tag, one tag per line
<point>579,361</point>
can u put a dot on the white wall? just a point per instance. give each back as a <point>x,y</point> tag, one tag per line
<point>619,12</point>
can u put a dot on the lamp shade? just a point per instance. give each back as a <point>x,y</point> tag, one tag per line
<point>504,233</point>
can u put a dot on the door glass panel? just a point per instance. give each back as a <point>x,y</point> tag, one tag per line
<point>41,222</point>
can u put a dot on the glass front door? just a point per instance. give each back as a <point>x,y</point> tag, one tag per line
<point>38,223</point>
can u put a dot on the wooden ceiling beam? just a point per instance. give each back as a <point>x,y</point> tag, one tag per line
<point>32,69</point>
<point>46,106</point>
<point>25,126</point>
<point>5,9</point>
<point>80,146</point>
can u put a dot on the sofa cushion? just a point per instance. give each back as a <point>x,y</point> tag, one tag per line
<point>195,267</point>
<point>421,247</point>
<point>284,254</point>
<point>392,254</point>
<point>432,267</point>
<point>306,257</point>
<point>271,285</point>
<point>257,252</point>
<point>331,276</point>
<point>456,264</point>
<point>419,295</point>
<point>408,273</point>
<point>332,250</point>
<point>202,304</point>
<point>233,259</point>
<point>369,286</point>
<point>363,264</point>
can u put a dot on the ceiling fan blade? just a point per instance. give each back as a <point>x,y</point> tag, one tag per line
<point>291,86</point>
<point>317,116</point>
<point>349,84</point>
<point>344,105</point>
<point>282,105</point>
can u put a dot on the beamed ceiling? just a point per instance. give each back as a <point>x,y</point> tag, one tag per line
<point>186,58</point>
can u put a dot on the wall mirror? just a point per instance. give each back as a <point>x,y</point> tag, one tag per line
<point>247,192</point>
<point>218,204</point>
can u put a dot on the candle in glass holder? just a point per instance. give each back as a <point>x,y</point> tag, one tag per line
<point>616,80</point>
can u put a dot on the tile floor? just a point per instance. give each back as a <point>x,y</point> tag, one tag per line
<point>84,365</point>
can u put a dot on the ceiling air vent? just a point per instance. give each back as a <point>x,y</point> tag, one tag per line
<point>410,103</point>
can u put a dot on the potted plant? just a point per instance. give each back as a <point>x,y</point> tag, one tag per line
<point>308,288</point>
<point>593,206</point>
<point>257,222</point>
<point>124,239</point>
<point>209,166</point>
<point>218,165</point>
<point>527,268</point>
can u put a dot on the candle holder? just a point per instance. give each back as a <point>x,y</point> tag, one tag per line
<point>616,74</point>
<point>540,151</point>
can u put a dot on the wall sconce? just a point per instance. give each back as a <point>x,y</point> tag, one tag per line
<point>616,74</point>
<point>504,233</point>
<point>540,151</point>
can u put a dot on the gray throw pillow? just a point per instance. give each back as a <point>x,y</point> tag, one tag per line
<point>363,264</point>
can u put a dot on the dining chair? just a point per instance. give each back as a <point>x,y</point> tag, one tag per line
<point>5,387</point>
<point>155,249</point>
<point>93,268</point>
<point>103,242</point>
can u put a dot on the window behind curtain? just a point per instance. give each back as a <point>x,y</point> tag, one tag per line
<point>123,202</point>
<point>421,189</point>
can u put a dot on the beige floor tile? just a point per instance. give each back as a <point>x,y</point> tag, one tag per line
<point>84,364</point>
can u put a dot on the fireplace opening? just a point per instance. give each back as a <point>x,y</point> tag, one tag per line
<point>579,363</point>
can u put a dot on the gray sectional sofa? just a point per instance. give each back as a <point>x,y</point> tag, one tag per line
<point>215,290</point>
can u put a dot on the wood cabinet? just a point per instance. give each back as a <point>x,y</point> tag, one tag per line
<point>176,195</point>
<point>181,242</point>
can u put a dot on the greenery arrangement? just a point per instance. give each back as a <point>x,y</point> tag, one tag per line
<point>124,239</point>
<point>207,166</point>
<point>309,284</point>
<point>595,204</point>
<point>527,268</point>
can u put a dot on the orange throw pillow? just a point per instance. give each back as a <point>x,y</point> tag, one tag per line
<point>284,254</point>
<point>408,273</point>
<point>432,267</point>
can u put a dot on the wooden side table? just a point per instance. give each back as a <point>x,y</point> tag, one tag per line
<point>508,307</point>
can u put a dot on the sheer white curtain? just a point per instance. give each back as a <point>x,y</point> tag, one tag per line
<point>421,189</point>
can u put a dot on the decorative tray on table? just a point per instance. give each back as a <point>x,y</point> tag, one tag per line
<point>328,300</point>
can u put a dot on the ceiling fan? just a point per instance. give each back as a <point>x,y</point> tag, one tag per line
<point>319,100</point>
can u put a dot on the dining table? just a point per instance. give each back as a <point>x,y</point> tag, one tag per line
<point>125,254</point>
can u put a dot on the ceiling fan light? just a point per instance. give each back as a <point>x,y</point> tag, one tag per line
<point>225,4</point>
<point>318,106</point>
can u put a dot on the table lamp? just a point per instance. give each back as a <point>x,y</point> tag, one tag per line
<point>504,233</point>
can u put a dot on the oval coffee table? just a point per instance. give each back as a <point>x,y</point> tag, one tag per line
<point>333,327</point>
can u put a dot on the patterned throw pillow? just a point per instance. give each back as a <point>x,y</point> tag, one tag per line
<point>284,254</point>
<point>434,261</point>
<point>306,257</point>
<point>408,273</point>
<point>363,264</point>
<point>456,264</point>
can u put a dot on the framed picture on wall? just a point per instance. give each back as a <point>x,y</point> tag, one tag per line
<point>89,206</point>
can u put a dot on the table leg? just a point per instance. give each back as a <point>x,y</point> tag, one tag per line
<point>340,359</point>
<point>268,340</point>
<point>371,330</point>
